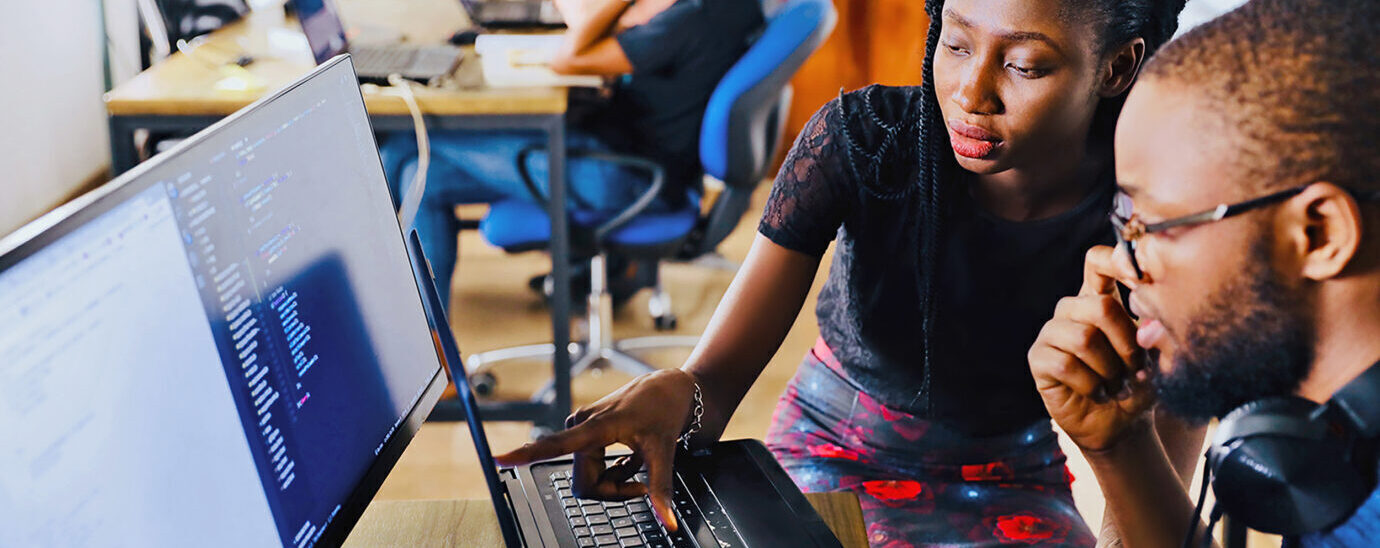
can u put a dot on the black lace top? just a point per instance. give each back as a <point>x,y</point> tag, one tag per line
<point>849,179</point>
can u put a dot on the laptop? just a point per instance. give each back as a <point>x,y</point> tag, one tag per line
<point>514,14</point>
<point>732,495</point>
<point>320,21</point>
<point>223,347</point>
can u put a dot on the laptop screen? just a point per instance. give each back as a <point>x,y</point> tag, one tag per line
<point>321,23</point>
<point>219,348</point>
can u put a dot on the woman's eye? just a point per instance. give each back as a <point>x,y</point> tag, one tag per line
<point>954,49</point>
<point>1027,72</point>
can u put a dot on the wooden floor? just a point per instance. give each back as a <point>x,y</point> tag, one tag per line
<point>492,308</point>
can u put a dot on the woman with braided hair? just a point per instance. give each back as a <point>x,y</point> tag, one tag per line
<point>961,211</point>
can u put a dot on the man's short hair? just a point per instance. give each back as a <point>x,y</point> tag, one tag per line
<point>1297,83</point>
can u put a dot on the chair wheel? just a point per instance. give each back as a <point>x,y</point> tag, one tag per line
<point>665,323</point>
<point>483,383</point>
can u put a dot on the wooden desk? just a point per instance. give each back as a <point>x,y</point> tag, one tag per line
<point>472,523</point>
<point>188,93</point>
<point>197,85</point>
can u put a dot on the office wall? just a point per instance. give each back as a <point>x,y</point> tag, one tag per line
<point>874,41</point>
<point>1197,12</point>
<point>52,122</point>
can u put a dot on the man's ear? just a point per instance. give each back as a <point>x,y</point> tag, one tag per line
<point>1323,225</point>
<point>1120,68</point>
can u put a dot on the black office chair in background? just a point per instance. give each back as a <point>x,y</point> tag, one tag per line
<point>164,22</point>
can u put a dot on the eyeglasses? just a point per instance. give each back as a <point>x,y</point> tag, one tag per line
<point>1129,229</point>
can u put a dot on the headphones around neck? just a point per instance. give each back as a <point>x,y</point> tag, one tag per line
<point>1288,466</point>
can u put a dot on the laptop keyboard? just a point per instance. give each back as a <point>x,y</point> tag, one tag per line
<point>409,62</point>
<point>434,60</point>
<point>395,59</point>
<point>627,524</point>
<point>506,11</point>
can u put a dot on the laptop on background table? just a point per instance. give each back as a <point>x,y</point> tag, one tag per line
<point>320,21</point>
<point>514,14</point>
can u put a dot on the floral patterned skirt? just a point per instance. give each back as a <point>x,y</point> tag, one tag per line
<point>920,483</point>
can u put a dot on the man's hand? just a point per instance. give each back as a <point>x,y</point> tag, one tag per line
<point>589,46</point>
<point>643,11</point>
<point>1092,376</point>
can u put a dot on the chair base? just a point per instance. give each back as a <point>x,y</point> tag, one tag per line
<point>601,351</point>
<point>618,358</point>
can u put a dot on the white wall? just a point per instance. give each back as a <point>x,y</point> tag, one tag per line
<point>122,23</point>
<point>1198,11</point>
<point>51,117</point>
<point>52,121</point>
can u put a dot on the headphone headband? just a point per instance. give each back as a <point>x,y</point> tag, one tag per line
<point>1281,417</point>
<point>1359,400</point>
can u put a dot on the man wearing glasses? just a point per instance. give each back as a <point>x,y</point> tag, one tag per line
<point>1250,172</point>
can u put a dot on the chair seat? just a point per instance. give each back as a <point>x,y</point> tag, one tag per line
<point>514,224</point>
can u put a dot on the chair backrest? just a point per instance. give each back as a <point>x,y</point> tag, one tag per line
<point>746,113</point>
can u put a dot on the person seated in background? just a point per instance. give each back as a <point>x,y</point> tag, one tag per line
<point>960,212</point>
<point>1269,305</point>
<point>670,55</point>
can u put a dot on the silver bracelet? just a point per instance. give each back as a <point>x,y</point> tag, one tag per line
<point>696,415</point>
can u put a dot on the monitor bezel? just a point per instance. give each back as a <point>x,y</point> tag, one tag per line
<point>51,227</point>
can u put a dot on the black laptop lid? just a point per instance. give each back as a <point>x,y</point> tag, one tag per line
<point>450,352</point>
<point>498,14</point>
<point>224,347</point>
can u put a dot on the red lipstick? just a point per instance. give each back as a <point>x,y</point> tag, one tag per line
<point>971,141</point>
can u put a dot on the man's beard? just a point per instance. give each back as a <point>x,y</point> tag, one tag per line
<point>1251,342</point>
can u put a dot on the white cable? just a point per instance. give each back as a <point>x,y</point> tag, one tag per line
<point>158,29</point>
<point>411,199</point>
<point>193,51</point>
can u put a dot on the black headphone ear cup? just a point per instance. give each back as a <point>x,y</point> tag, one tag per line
<point>1278,470</point>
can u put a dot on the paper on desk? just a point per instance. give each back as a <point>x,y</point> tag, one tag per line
<point>522,60</point>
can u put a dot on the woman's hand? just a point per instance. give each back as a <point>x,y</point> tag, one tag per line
<point>1092,376</point>
<point>647,415</point>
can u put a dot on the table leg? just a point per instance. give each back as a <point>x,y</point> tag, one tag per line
<point>560,273</point>
<point>123,154</point>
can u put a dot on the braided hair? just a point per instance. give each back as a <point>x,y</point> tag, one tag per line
<point>1117,22</point>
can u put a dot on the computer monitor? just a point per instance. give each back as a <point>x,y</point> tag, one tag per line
<point>224,347</point>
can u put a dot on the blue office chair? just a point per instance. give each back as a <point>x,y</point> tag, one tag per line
<point>741,132</point>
